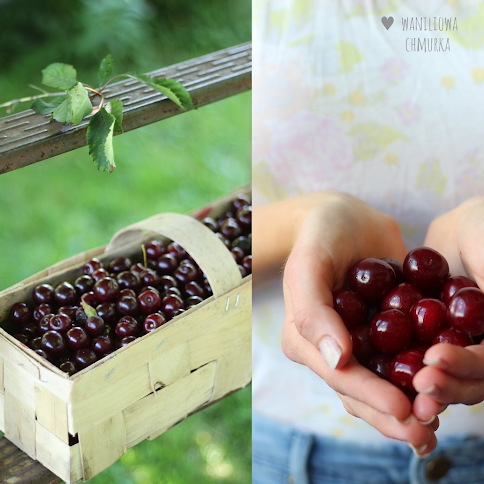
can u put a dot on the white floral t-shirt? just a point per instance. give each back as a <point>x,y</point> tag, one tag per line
<point>340,102</point>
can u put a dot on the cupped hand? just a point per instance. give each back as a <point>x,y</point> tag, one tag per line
<point>335,231</point>
<point>454,374</point>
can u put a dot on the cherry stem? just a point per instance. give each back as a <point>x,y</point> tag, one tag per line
<point>30,98</point>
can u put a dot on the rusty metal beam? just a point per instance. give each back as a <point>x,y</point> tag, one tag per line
<point>27,138</point>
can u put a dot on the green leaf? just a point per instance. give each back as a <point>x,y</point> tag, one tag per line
<point>169,87</point>
<point>105,69</point>
<point>89,310</point>
<point>63,112</point>
<point>100,140</point>
<point>62,76</point>
<point>115,107</point>
<point>41,106</point>
<point>80,103</point>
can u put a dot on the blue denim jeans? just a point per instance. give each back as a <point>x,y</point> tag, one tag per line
<point>283,455</point>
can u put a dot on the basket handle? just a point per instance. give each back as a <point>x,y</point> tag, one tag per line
<point>208,251</point>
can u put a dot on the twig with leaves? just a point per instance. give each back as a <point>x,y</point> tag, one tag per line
<point>75,103</point>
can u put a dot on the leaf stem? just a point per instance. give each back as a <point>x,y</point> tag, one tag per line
<point>112,79</point>
<point>30,98</point>
<point>98,93</point>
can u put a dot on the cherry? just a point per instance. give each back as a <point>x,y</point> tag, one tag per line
<point>362,348</point>
<point>154,249</point>
<point>107,311</point>
<point>240,201</point>
<point>41,310</point>
<point>230,229</point>
<point>20,313</point>
<point>153,321</point>
<point>65,294</point>
<point>173,291</point>
<point>350,306</point>
<point>210,223</point>
<point>106,289</point>
<point>90,299</point>
<point>23,338</point>
<point>177,312</point>
<point>127,306</point>
<point>126,341</point>
<point>167,281</point>
<point>44,355</point>
<point>138,268</point>
<point>238,254</point>
<point>380,365</point>
<point>84,357</point>
<point>126,292</point>
<point>371,278</point>
<point>208,287</point>
<point>149,278</point>
<point>77,338</point>
<point>397,267</point>
<point>53,343</point>
<point>177,250</point>
<point>127,326</point>
<point>149,301</point>
<point>102,345</point>
<point>243,243</point>
<point>167,264</point>
<point>452,336</point>
<point>43,294</point>
<point>185,273</point>
<point>94,326</point>
<point>427,317</point>
<point>84,284</point>
<point>120,264</point>
<point>390,331</point>
<point>81,317</point>
<point>68,367</point>
<point>68,311</point>
<point>100,274</point>
<point>92,266</point>
<point>224,239</point>
<point>192,301</point>
<point>466,311</point>
<point>244,216</point>
<point>128,280</point>
<point>193,288</point>
<point>30,329</point>
<point>243,271</point>
<point>453,284</point>
<point>35,343</point>
<point>171,303</point>
<point>402,297</point>
<point>425,268</point>
<point>44,324</point>
<point>60,323</point>
<point>247,263</point>
<point>404,367</point>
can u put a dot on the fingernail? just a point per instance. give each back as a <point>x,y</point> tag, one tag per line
<point>404,422</point>
<point>431,390</point>
<point>418,450</point>
<point>330,351</point>
<point>429,421</point>
<point>436,362</point>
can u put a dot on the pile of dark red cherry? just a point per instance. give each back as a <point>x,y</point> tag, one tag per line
<point>109,306</point>
<point>395,312</point>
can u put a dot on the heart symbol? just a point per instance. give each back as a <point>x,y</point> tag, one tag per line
<point>387,22</point>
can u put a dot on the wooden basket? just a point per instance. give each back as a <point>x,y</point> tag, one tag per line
<point>78,426</point>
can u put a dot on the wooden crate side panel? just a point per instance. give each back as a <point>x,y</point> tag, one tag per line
<point>233,329</point>
<point>2,412</point>
<point>51,412</point>
<point>20,424</point>
<point>110,398</point>
<point>101,445</point>
<point>154,414</point>
<point>57,456</point>
<point>169,366</point>
<point>2,389</point>
<point>19,383</point>
<point>234,371</point>
<point>209,314</point>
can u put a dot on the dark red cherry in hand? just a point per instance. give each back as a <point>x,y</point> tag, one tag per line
<point>425,268</point>
<point>404,367</point>
<point>350,306</point>
<point>466,311</point>
<point>360,339</point>
<point>380,365</point>
<point>453,284</point>
<point>427,317</point>
<point>402,297</point>
<point>397,267</point>
<point>390,331</point>
<point>453,337</point>
<point>371,278</point>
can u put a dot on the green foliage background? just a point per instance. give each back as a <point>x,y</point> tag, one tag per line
<point>62,206</point>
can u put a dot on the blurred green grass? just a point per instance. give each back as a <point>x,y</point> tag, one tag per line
<point>62,206</point>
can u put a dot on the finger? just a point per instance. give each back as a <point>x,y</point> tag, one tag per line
<point>459,362</point>
<point>353,380</point>
<point>446,389</point>
<point>420,437</point>
<point>307,288</point>
<point>426,409</point>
